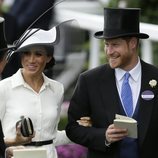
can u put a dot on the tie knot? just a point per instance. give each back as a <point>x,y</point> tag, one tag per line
<point>126,76</point>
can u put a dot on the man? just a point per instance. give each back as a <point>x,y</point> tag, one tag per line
<point>101,93</point>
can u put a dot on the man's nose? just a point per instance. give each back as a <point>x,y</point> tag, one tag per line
<point>109,49</point>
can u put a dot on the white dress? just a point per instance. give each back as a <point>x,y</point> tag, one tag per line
<point>19,99</point>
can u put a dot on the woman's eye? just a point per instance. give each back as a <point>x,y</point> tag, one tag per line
<point>38,53</point>
<point>26,53</point>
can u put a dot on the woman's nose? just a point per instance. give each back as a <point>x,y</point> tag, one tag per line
<point>31,58</point>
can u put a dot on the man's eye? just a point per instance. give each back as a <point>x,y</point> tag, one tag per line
<point>106,44</point>
<point>115,44</point>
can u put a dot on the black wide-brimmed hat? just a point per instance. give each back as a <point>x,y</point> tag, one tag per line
<point>121,22</point>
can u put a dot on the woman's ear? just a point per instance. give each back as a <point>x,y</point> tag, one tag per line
<point>49,59</point>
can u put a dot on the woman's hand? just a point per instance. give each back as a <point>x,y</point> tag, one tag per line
<point>9,151</point>
<point>19,138</point>
<point>85,121</point>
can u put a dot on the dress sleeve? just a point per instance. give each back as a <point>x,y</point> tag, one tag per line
<point>60,136</point>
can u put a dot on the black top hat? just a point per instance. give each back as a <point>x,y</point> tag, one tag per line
<point>3,43</point>
<point>121,22</point>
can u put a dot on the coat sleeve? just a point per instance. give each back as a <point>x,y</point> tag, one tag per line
<point>91,137</point>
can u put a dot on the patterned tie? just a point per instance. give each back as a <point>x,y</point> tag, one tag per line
<point>126,95</point>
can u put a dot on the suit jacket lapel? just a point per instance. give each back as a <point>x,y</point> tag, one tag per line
<point>109,94</point>
<point>145,109</point>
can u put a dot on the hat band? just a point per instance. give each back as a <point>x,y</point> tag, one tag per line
<point>111,32</point>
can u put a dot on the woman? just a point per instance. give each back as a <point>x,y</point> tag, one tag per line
<point>30,93</point>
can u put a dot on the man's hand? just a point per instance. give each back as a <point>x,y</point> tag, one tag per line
<point>114,134</point>
<point>85,121</point>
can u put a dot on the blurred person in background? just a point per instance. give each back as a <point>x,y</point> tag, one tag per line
<point>10,25</point>
<point>11,35</point>
<point>3,62</point>
<point>26,12</point>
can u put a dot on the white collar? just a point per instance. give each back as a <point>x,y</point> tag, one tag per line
<point>135,72</point>
<point>18,80</point>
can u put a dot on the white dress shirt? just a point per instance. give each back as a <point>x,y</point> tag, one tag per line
<point>19,99</point>
<point>134,81</point>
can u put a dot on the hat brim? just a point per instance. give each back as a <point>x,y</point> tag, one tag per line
<point>100,35</point>
<point>49,47</point>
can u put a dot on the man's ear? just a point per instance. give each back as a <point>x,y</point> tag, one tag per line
<point>133,42</point>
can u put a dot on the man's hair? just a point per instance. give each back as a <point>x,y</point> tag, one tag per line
<point>128,38</point>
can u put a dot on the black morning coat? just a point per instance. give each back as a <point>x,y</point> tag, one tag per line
<point>96,95</point>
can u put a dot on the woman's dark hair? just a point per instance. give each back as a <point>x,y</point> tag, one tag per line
<point>2,54</point>
<point>50,53</point>
<point>50,64</point>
